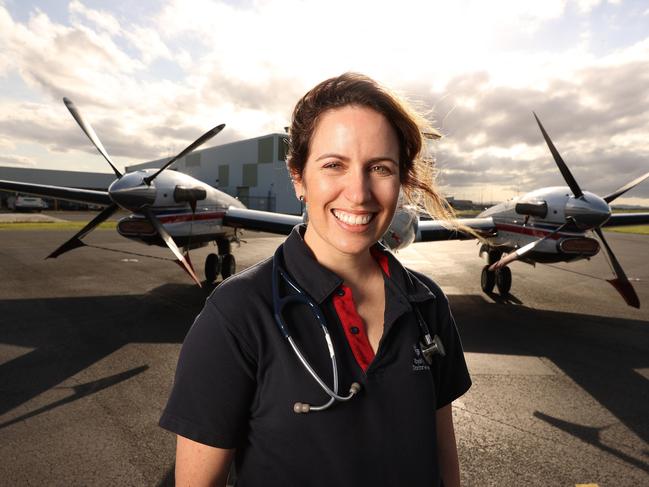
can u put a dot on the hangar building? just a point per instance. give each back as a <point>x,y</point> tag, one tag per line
<point>252,170</point>
<point>73,179</point>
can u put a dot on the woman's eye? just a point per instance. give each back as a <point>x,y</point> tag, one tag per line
<point>381,170</point>
<point>332,165</point>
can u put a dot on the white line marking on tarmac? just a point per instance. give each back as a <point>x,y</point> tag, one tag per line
<point>499,364</point>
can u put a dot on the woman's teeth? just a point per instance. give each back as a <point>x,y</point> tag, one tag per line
<point>351,219</point>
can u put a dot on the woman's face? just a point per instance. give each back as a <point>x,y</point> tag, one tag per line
<point>350,181</point>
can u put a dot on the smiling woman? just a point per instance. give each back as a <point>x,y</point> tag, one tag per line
<point>254,363</point>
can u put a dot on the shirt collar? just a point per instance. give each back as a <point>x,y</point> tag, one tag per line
<point>406,281</point>
<point>319,282</point>
<point>316,280</point>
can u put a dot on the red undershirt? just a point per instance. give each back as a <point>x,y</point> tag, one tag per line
<point>353,324</point>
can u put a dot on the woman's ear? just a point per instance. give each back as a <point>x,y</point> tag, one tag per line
<point>298,185</point>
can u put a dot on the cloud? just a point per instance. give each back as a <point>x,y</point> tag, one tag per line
<point>17,161</point>
<point>479,66</point>
<point>102,19</point>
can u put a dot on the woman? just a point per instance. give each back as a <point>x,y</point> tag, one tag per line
<point>240,391</point>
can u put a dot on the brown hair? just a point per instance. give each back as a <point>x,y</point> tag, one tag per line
<point>416,172</point>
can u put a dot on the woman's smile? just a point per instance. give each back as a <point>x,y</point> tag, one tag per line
<point>353,218</point>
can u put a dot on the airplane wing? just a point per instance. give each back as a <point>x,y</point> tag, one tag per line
<point>262,221</point>
<point>59,192</point>
<point>429,230</point>
<point>621,219</point>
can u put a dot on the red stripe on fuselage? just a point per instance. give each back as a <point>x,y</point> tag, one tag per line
<point>533,231</point>
<point>187,217</point>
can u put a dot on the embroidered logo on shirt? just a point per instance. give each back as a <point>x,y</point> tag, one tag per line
<point>418,361</point>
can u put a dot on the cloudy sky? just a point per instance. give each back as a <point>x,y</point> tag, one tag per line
<point>153,75</point>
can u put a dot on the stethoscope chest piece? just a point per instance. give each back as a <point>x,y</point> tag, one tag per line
<point>430,347</point>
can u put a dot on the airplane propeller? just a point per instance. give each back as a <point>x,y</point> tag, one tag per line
<point>621,283</point>
<point>136,195</point>
<point>75,241</point>
<point>589,213</point>
<point>197,143</point>
<point>170,243</point>
<point>88,130</point>
<point>620,191</point>
<point>565,172</point>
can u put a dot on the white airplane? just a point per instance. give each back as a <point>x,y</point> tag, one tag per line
<point>168,208</point>
<point>554,224</point>
<point>174,209</point>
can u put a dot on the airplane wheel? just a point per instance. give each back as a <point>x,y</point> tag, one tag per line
<point>229,266</point>
<point>504,280</point>
<point>487,280</point>
<point>212,267</point>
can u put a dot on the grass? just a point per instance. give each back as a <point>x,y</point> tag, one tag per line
<point>110,225</point>
<point>637,229</point>
<point>52,225</point>
<point>467,213</point>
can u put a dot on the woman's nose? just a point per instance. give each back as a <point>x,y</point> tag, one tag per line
<point>357,187</point>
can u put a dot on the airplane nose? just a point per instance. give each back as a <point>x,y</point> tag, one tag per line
<point>131,193</point>
<point>589,211</point>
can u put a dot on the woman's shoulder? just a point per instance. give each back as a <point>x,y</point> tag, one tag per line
<point>245,287</point>
<point>428,283</point>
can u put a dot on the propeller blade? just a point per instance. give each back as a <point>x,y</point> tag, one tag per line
<point>625,188</point>
<point>75,241</point>
<point>171,244</point>
<point>197,143</point>
<point>567,175</point>
<point>512,256</point>
<point>621,282</point>
<point>87,128</point>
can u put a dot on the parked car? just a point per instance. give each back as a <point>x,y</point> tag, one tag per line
<point>26,203</point>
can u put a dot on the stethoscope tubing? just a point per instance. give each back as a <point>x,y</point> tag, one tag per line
<point>303,298</point>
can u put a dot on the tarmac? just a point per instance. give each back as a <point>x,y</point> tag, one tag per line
<point>89,344</point>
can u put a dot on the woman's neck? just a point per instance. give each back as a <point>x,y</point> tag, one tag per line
<point>354,269</point>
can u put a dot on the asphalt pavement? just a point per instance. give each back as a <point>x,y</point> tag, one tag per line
<point>89,343</point>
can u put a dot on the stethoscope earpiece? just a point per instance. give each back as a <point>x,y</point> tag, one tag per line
<point>303,408</point>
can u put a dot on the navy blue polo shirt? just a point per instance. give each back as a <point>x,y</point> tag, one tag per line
<point>238,379</point>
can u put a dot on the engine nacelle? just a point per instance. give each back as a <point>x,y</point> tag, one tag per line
<point>402,230</point>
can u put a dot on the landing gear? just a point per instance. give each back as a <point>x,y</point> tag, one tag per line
<point>487,280</point>
<point>500,278</point>
<point>212,267</point>
<point>229,266</point>
<point>493,256</point>
<point>504,280</point>
<point>223,263</point>
<point>224,246</point>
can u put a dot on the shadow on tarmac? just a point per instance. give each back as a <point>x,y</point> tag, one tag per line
<point>80,391</point>
<point>590,435</point>
<point>68,335</point>
<point>600,354</point>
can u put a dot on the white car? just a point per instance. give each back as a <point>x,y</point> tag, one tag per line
<point>26,203</point>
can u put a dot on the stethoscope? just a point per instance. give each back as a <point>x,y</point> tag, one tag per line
<point>429,345</point>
